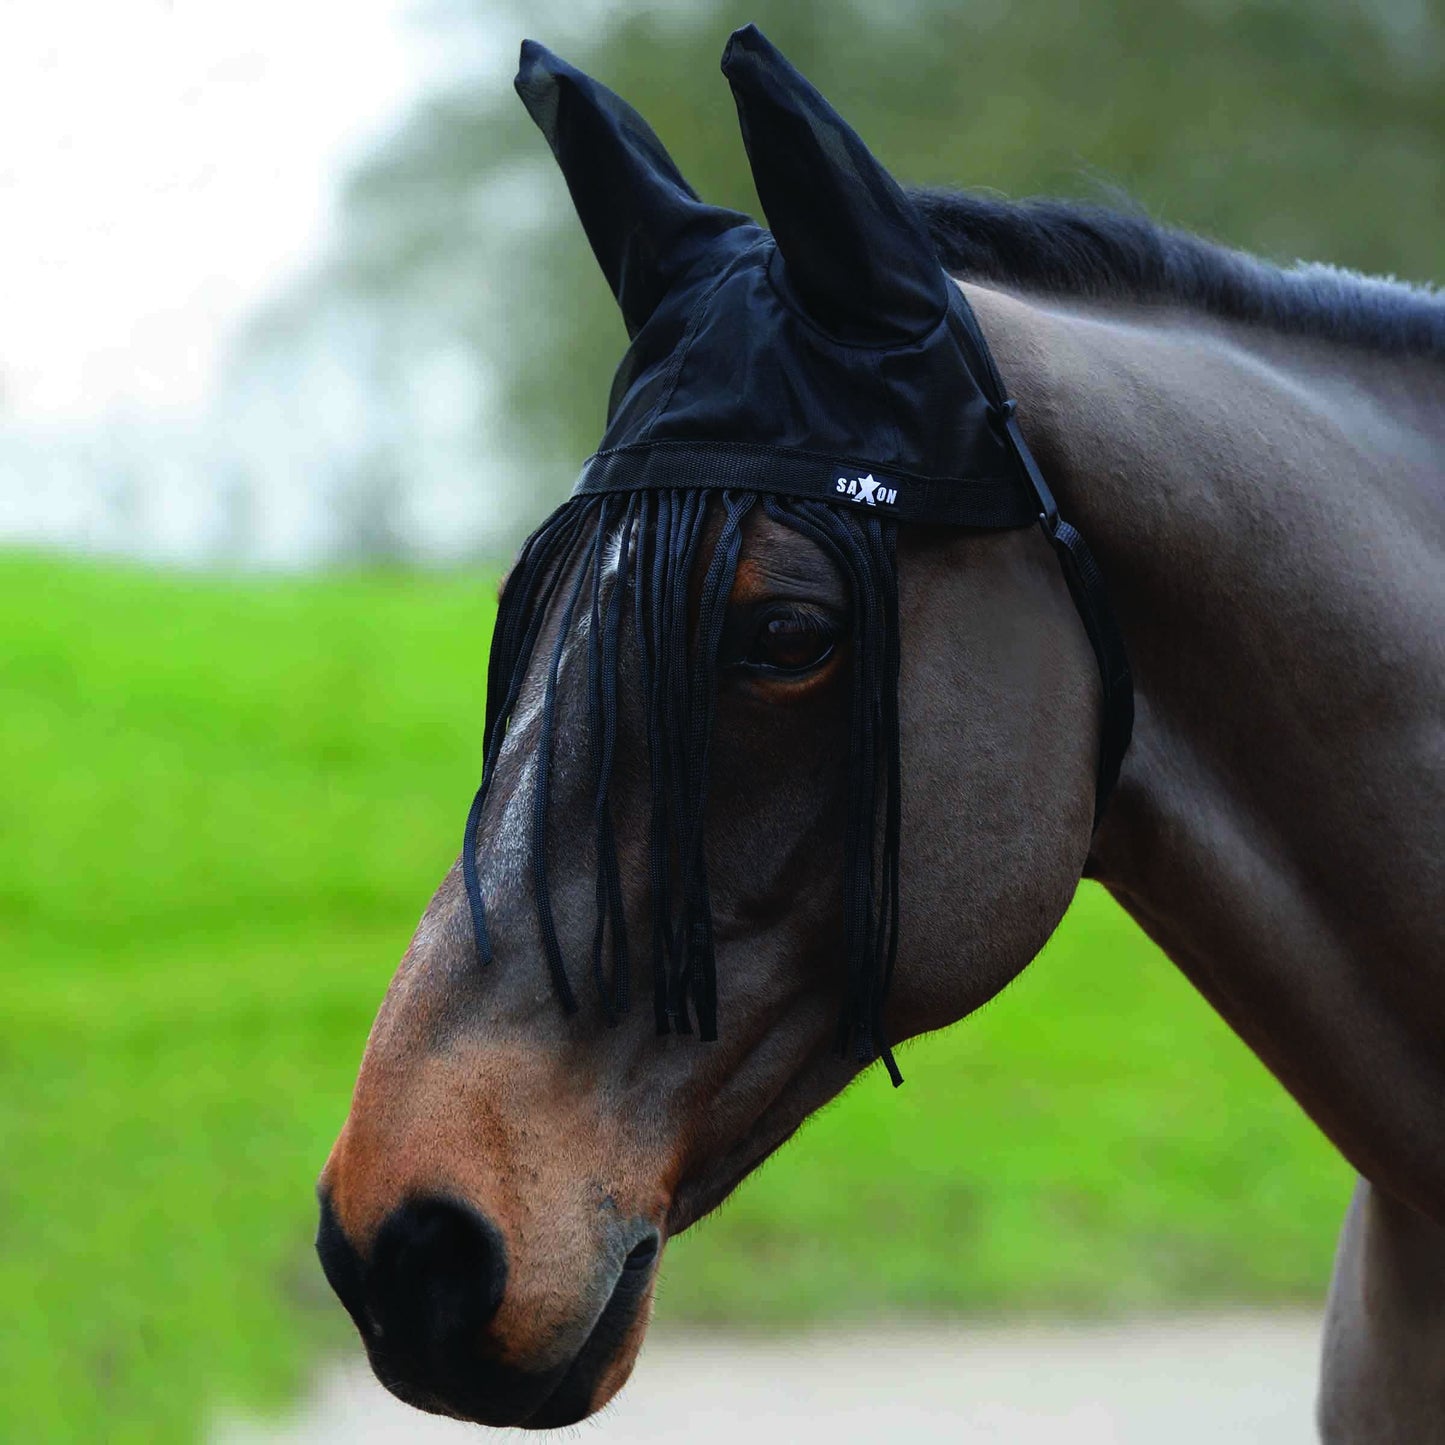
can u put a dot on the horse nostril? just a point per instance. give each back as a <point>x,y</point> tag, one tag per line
<point>436,1278</point>
<point>642,1255</point>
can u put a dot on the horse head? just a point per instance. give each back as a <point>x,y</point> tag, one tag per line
<point>792,753</point>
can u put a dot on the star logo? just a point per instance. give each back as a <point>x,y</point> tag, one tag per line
<point>867,491</point>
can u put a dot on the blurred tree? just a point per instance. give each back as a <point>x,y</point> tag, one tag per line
<point>1294,128</point>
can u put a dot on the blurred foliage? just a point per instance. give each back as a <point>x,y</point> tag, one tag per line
<point>225,805</point>
<point>1296,128</point>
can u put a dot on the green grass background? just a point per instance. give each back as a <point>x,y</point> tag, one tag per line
<point>224,806</point>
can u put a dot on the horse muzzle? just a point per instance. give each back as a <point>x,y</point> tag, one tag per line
<point>430,1299</point>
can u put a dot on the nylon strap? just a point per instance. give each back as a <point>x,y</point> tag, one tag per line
<point>1086,587</point>
<point>1081,571</point>
<point>990,502</point>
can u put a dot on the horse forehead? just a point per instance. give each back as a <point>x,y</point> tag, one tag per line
<point>780,562</point>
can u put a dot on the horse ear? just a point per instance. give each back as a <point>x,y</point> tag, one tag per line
<point>645,222</point>
<point>856,251</point>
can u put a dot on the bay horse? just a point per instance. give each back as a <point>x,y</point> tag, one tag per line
<point>1257,456</point>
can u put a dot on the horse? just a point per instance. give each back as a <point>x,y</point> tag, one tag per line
<point>1257,456</point>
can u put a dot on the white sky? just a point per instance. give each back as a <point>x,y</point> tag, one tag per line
<point>166,167</point>
<point>164,164</point>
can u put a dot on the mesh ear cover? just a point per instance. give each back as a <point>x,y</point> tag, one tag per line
<point>644,222</point>
<point>827,372</point>
<point>855,250</point>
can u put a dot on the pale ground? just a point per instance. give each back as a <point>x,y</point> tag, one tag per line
<point>1237,1378</point>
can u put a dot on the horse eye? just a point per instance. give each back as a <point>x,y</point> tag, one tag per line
<point>790,640</point>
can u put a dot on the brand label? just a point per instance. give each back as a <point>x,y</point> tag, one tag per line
<point>866,490</point>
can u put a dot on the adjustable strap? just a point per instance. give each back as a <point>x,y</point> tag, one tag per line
<point>670,464</point>
<point>1086,586</point>
<point>1081,572</point>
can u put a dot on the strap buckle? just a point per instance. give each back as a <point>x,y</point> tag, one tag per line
<point>1005,419</point>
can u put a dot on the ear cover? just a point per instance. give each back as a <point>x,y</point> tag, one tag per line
<point>856,253</point>
<point>646,224</point>
<point>828,374</point>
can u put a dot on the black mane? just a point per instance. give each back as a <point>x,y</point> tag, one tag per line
<point>1066,248</point>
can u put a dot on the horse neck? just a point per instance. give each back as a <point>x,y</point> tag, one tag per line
<point>1268,515</point>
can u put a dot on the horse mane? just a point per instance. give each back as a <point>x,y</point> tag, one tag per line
<point>1076,249</point>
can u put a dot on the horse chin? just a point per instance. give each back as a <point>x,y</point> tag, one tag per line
<point>604,1363</point>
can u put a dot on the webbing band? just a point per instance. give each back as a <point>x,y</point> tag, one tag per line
<point>986,502</point>
<point>1086,587</point>
<point>1081,571</point>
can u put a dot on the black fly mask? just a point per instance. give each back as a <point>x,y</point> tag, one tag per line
<point>827,371</point>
